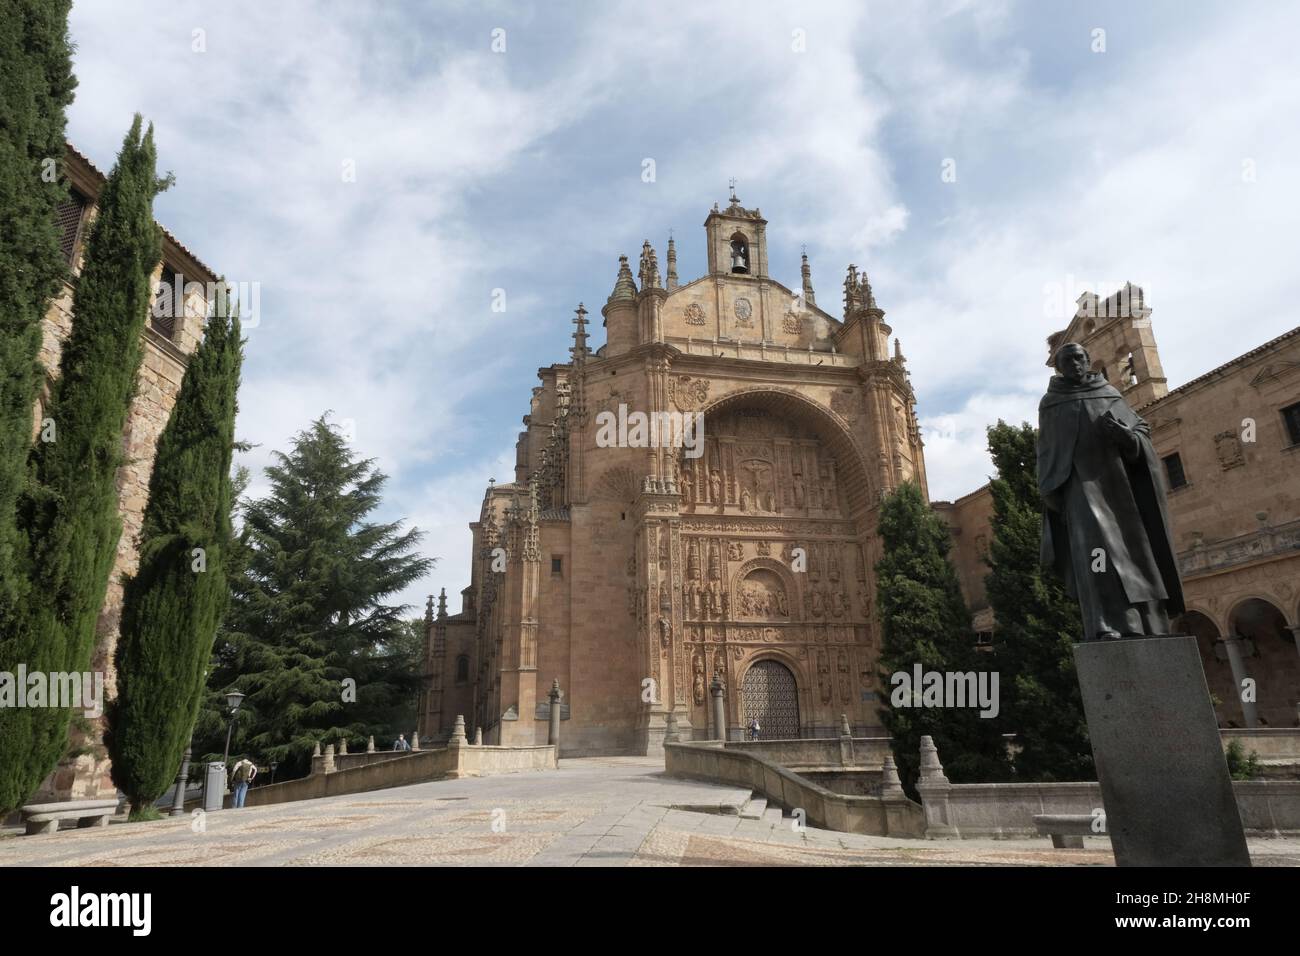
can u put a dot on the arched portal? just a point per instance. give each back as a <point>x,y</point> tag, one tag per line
<point>771,694</point>
<point>1271,660</point>
<point>1214,660</point>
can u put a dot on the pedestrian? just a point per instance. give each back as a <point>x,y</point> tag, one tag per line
<point>753,728</point>
<point>401,743</point>
<point>241,775</point>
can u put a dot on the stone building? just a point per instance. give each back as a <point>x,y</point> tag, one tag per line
<point>1230,444</point>
<point>633,569</point>
<point>170,335</point>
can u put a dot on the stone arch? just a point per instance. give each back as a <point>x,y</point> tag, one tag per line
<point>1214,661</point>
<point>771,689</point>
<point>825,423</point>
<point>1270,659</point>
<point>793,597</point>
<point>739,246</point>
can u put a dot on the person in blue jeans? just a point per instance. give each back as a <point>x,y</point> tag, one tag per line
<point>241,775</point>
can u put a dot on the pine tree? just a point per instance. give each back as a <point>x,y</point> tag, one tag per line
<point>69,511</point>
<point>36,86</point>
<point>173,604</point>
<point>925,621</point>
<point>1036,622</point>
<point>307,611</point>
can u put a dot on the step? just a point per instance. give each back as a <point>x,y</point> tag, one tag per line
<point>773,816</point>
<point>754,808</point>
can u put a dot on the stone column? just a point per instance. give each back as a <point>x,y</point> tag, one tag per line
<point>329,758</point>
<point>370,745</point>
<point>553,728</point>
<point>478,736</point>
<point>343,746</point>
<point>934,788</point>
<point>846,742</point>
<point>415,741</point>
<point>719,714</point>
<point>890,784</point>
<point>671,736</point>
<point>1238,664</point>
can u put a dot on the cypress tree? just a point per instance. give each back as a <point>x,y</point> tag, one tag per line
<point>69,510</point>
<point>925,621</point>
<point>308,610</point>
<point>1037,622</point>
<point>173,604</point>
<point>36,86</point>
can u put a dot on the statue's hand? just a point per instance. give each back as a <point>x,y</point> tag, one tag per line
<point>1120,435</point>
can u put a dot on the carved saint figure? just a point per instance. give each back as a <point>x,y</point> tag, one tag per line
<point>1105,525</point>
<point>715,488</point>
<point>799,495</point>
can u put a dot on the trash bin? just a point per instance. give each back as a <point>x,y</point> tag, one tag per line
<point>214,786</point>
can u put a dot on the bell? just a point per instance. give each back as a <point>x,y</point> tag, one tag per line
<point>738,263</point>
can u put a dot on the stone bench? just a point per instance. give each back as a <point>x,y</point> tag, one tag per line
<point>1067,830</point>
<point>45,817</point>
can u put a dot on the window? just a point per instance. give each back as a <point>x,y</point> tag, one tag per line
<point>1174,471</point>
<point>557,565</point>
<point>71,215</point>
<point>162,316</point>
<point>1291,419</point>
<point>462,669</point>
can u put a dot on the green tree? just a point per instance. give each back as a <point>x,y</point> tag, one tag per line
<point>36,86</point>
<point>1036,622</point>
<point>69,508</point>
<point>925,621</point>
<point>308,636</point>
<point>173,604</point>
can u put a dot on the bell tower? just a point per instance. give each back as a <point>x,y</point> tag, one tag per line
<point>737,240</point>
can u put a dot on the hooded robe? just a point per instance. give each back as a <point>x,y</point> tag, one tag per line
<point>1109,496</point>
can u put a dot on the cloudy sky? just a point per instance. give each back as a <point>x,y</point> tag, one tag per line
<point>1091,146</point>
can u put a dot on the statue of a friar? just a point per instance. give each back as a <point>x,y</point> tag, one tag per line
<point>1105,525</point>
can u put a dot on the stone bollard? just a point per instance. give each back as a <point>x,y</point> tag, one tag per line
<point>329,759</point>
<point>178,802</point>
<point>478,736</point>
<point>890,784</point>
<point>846,742</point>
<point>671,734</point>
<point>343,746</point>
<point>553,728</point>
<point>931,769</point>
<point>415,741</point>
<point>370,745</point>
<point>457,738</point>
<point>719,710</point>
<point>316,750</point>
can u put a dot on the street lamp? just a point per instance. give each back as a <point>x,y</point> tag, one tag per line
<point>233,699</point>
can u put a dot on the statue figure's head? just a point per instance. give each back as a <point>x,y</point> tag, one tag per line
<point>1071,362</point>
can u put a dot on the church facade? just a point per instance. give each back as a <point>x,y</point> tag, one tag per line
<point>633,567</point>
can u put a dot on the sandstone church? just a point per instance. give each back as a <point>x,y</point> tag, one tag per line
<point>634,575</point>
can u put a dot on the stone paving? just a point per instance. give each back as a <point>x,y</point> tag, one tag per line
<point>604,811</point>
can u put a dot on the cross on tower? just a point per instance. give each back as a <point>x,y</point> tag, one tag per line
<point>732,183</point>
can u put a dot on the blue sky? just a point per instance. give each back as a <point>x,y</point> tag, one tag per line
<point>522,170</point>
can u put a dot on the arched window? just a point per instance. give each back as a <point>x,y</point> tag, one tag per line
<point>739,254</point>
<point>462,669</point>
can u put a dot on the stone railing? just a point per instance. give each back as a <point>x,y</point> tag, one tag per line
<point>1228,552</point>
<point>401,768</point>
<point>887,815</point>
<point>762,352</point>
<point>1000,810</point>
<point>822,753</point>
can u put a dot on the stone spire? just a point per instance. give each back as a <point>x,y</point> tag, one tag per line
<point>648,273</point>
<point>580,350</point>
<point>428,610</point>
<point>857,293</point>
<point>442,604</point>
<point>672,262</point>
<point>624,287</point>
<point>808,295</point>
<point>898,352</point>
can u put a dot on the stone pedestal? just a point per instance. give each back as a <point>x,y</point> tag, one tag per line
<point>1164,779</point>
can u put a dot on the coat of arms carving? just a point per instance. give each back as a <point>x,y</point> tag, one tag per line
<point>688,393</point>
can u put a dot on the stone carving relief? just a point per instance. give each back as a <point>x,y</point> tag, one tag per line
<point>694,314</point>
<point>1227,445</point>
<point>699,679</point>
<point>688,393</point>
<point>744,313</point>
<point>762,595</point>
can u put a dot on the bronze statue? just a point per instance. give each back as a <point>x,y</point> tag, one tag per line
<point>1105,525</point>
